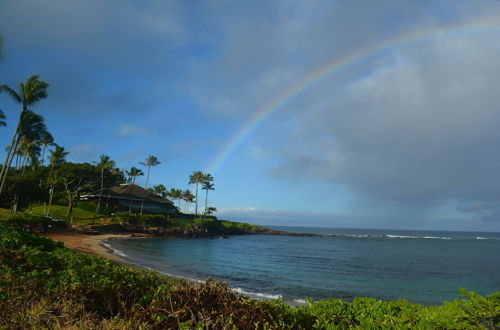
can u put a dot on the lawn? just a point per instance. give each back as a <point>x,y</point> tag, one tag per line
<point>59,211</point>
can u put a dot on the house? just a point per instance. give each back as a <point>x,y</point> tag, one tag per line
<point>131,197</point>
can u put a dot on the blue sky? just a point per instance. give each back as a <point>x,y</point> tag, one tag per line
<point>404,139</point>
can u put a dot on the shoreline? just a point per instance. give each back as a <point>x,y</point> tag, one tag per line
<point>94,245</point>
<point>90,244</point>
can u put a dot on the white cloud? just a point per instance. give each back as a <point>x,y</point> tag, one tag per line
<point>129,130</point>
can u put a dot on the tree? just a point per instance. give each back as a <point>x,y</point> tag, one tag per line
<point>196,178</point>
<point>188,197</point>
<point>207,185</point>
<point>46,141</point>
<point>211,210</point>
<point>105,163</point>
<point>52,184</point>
<point>73,188</point>
<point>29,93</point>
<point>159,190</point>
<point>150,161</point>
<point>133,174</point>
<point>57,157</point>
<point>176,194</point>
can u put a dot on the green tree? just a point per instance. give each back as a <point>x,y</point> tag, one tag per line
<point>46,141</point>
<point>188,197</point>
<point>133,174</point>
<point>196,178</point>
<point>57,157</point>
<point>207,185</point>
<point>105,163</point>
<point>150,161</point>
<point>211,210</point>
<point>159,190</point>
<point>176,194</point>
<point>29,93</point>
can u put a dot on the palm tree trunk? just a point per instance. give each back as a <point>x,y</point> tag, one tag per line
<point>50,173</point>
<point>107,202</point>
<point>147,177</point>
<point>100,193</point>
<point>50,199</point>
<point>206,202</point>
<point>43,154</point>
<point>8,164</point>
<point>196,209</point>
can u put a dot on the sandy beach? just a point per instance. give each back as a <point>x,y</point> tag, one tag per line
<point>88,244</point>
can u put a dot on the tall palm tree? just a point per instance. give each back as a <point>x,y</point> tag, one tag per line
<point>150,161</point>
<point>196,178</point>
<point>133,174</point>
<point>188,197</point>
<point>46,141</point>
<point>159,190</point>
<point>57,157</point>
<point>176,194</point>
<point>104,163</point>
<point>29,93</point>
<point>206,185</point>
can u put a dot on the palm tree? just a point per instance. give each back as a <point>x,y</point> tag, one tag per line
<point>150,161</point>
<point>211,210</point>
<point>176,194</point>
<point>159,190</point>
<point>188,197</point>
<point>207,185</point>
<point>196,178</point>
<point>104,163</point>
<point>52,182</point>
<point>46,141</point>
<point>57,157</point>
<point>133,174</point>
<point>29,93</point>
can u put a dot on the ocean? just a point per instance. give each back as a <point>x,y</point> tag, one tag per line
<point>421,266</point>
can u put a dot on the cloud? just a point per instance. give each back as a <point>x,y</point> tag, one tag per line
<point>84,152</point>
<point>420,129</point>
<point>129,130</point>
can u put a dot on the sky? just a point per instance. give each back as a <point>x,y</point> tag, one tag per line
<point>356,114</point>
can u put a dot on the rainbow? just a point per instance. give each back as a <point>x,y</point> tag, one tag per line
<point>335,66</point>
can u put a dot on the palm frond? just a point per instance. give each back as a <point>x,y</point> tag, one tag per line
<point>11,92</point>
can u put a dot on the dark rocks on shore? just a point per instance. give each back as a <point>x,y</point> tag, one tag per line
<point>212,230</point>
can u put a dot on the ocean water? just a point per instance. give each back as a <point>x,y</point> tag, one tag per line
<point>421,266</point>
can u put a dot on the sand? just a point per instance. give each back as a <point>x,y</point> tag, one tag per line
<point>88,244</point>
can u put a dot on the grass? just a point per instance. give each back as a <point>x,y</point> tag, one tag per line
<point>59,211</point>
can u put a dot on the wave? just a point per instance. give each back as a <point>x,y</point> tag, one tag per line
<point>389,236</point>
<point>113,250</point>
<point>491,238</point>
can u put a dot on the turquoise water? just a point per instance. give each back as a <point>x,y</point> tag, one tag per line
<point>421,266</point>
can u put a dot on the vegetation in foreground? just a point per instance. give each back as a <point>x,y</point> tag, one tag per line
<point>44,285</point>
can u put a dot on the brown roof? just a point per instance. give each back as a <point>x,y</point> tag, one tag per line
<point>130,192</point>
